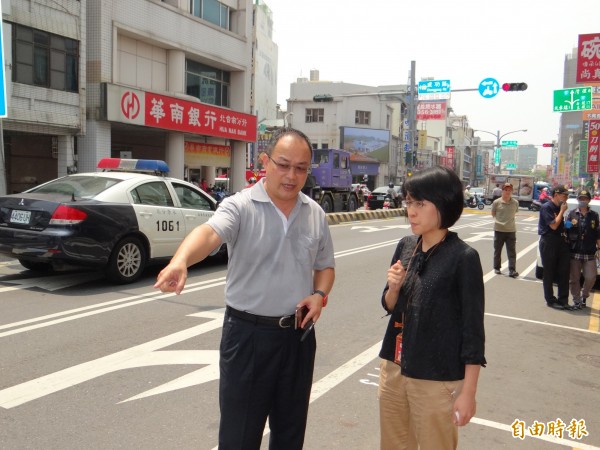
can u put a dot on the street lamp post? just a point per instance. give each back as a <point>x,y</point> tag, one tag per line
<point>498,137</point>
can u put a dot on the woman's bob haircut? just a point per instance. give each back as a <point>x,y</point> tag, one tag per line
<point>440,186</point>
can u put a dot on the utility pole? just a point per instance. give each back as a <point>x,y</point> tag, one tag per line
<point>412,122</point>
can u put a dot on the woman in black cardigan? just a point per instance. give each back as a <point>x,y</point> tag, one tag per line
<point>434,343</point>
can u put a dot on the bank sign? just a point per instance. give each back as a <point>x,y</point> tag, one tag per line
<point>149,109</point>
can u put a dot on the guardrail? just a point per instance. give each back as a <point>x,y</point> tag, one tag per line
<point>336,218</point>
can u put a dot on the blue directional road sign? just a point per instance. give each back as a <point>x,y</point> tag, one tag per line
<point>434,89</point>
<point>489,87</point>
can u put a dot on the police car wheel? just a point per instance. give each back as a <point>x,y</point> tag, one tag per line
<point>127,262</point>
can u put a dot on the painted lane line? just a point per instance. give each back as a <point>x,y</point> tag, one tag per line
<point>139,356</point>
<point>488,276</point>
<point>150,298</point>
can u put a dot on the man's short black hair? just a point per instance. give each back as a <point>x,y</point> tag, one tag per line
<point>281,132</point>
<point>442,187</point>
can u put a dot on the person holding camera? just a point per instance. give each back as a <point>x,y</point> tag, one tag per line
<point>583,232</point>
<point>554,249</point>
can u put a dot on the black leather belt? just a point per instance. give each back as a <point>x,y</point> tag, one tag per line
<point>280,322</point>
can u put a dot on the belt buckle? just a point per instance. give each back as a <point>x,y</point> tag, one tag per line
<point>281,322</point>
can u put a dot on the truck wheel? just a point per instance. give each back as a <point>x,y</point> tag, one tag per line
<point>351,203</point>
<point>327,204</point>
<point>127,261</point>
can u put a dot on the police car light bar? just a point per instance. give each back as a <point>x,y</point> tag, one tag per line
<point>134,165</point>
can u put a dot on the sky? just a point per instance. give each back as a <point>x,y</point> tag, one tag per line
<point>465,41</point>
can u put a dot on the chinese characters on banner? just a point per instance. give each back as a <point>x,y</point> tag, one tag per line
<point>593,146</point>
<point>588,58</point>
<point>198,118</point>
<point>431,111</point>
<point>200,153</point>
<point>449,160</point>
<point>142,108</point>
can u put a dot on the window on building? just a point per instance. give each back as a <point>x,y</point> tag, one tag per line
<point>314,114</point>
<point>362,118</point>
<point>45,59</point>
<point>212,11</point>
<point>208,84</point>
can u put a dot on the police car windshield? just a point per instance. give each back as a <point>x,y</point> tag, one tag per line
<point>77,186</point>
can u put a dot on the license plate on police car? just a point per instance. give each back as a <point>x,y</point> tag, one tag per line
<point>18,216</point>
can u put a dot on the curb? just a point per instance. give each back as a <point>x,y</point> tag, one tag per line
<point>337,218</point>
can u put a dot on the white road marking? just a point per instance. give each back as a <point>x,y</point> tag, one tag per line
<point>372,229</point>
<point>52,282</point>
<point>105,307</point>
<point>483,236</point>
<point>138,356</point>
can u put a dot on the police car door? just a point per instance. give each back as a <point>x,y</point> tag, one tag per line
<point>196,207</point>
<point>158,218</point>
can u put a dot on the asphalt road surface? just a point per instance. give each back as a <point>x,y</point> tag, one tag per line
<point>87,365</point>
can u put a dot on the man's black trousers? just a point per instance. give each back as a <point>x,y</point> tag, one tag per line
<point>265,372</point>
<point>556,260</point>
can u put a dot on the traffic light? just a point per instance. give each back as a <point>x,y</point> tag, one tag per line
<point>548,145</point>
<point>514,87</point>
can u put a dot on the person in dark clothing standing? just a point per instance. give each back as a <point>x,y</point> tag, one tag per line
<point>434,343</point>
<point>554,249</point>
<point>583,232</point>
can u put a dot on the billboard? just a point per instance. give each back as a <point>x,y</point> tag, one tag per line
<point>366,142</point>
<point>431,111</point>
<point>593,146</point>
<point>588,58</point>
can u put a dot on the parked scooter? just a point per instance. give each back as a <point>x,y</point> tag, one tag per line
<point>475,201</point>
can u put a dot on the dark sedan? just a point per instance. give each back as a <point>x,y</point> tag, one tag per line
<point>377,197</point>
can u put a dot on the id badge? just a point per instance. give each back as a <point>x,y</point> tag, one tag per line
<point>398,352</point>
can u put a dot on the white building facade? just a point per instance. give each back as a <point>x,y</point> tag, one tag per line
<point>170,80</point>
<point>151,79</point>
<point>45,68</point>
<point>329,113</point>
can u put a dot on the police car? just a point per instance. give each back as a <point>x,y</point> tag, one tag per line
<point>594,205</point>
<point>118,220</point>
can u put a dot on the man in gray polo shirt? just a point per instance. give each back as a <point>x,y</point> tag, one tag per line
<point>280,258</point>
<point>504,210</point>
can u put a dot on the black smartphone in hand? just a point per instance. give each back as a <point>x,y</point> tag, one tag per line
<point>300,315</point>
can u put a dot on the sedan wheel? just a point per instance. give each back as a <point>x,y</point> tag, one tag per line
<point>127,261</point>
